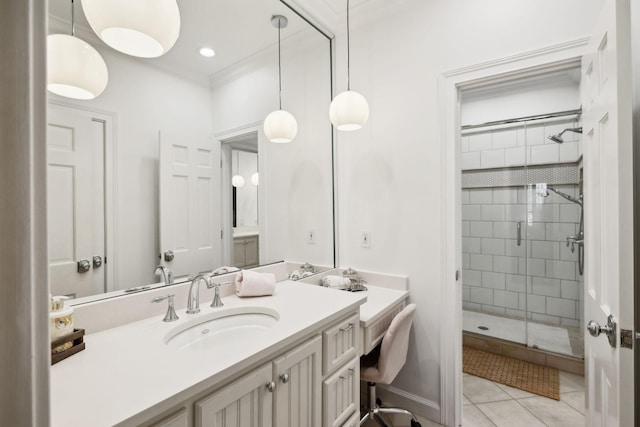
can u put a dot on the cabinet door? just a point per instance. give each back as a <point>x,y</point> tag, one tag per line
<point>298,397</point>
<point>341,393</point>
<point>238,253</point>
<point>246,402</point>
<point>251,251</point>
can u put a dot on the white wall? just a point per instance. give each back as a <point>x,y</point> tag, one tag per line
<point>297,176</point>
<point>145,100</point>
<point>390,172</point>
<point>543,95</point>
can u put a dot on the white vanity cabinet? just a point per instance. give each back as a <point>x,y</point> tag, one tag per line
<point>245,251</point>
<point>341,367</point>
<point>179,418</point>
<point>289,390</point>
<point>247,402</point>
<point>284,393</point>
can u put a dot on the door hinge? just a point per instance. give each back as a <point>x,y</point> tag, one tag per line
<point>457,275</point>
<point>626,338</point>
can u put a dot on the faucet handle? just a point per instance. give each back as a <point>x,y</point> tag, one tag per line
<point>171,315</point>
<point>217,301</point>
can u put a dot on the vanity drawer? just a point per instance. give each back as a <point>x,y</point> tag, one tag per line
<point>341,395</point>
<point>372,334</point>
<point>340,343</point>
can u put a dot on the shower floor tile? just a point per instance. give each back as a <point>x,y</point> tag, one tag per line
<point>557,339</point>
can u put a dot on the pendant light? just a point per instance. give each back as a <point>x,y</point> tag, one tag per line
<point>348,110</point>
<point>237,180</point>
<point>143,28</point>
<point>74,68</point>
<point>280,125</point>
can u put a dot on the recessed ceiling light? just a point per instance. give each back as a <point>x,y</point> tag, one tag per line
<point>207,52</point>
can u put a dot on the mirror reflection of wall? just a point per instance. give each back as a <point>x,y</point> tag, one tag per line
<point>182,92</point>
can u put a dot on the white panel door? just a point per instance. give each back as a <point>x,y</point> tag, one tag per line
<point>75,200</point>
<point>190,214</point>
<point>608,198</point>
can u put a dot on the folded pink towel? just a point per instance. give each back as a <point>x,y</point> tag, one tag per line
<point>252,284</point>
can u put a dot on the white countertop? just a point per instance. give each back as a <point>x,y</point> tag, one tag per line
<point>128,369</point>
<point>378,300</point>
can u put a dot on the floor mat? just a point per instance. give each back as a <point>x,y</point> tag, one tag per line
<point>516,373</point>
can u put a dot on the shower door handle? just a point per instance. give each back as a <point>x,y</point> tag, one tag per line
<point>519,232</point>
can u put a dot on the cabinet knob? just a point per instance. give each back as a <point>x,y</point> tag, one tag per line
<point>271,386</point>
<point>284,378</point>
<point>347,328</point>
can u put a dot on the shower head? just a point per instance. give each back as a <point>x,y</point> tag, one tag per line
<point>558,137</point>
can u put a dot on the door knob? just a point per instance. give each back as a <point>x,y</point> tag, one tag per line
<point>168,256</point>
<point>609,329</point>
<point>97,261</point>
<point>84,265</point>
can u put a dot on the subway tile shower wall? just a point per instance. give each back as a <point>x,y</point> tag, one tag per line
<point>538,278</point>
<point>515,146</point>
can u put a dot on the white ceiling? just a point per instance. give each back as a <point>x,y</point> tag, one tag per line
<point>235,29</point>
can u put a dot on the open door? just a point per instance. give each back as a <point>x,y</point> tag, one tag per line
<point>608,199</point>
<point>190,223</point>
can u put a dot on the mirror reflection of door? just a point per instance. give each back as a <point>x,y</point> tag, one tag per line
<point>245,180</point>
<point>189,191</point>
<point>76,202</point>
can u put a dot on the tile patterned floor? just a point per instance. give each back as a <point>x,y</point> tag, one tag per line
<point>489,404</point>
<point>486,403</point>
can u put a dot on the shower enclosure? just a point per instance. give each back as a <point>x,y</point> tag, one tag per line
<point>523,231</point>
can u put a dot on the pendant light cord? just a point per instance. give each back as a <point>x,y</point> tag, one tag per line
<point>279,66</point>
<point>348,52</point>
<point>73,21</point>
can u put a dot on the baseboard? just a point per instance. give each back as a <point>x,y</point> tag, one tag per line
<point>392,396</point>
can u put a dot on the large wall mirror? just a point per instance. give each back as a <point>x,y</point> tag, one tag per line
<point>143,174</point>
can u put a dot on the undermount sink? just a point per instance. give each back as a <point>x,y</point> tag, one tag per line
<point>209,330</point>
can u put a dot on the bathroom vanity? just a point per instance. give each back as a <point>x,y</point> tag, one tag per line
<point>302,370</point>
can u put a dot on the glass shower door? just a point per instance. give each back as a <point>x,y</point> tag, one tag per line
<point>553,217</point>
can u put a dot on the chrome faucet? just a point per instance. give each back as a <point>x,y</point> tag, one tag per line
<point>193,303</point>
<point>167,275</point>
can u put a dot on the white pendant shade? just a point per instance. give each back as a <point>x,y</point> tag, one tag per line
<point>349,111</point>
<point>280,126</point>
<point>255,179</point>
<point>143,28</point>
<point>74,68</point>
<point>237,181</point>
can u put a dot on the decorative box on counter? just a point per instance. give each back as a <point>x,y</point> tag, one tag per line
<point>76,338</point>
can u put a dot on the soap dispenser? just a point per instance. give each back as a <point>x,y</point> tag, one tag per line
<point>60,322</point>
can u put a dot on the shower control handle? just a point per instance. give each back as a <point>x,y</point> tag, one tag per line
<point>609,329</point>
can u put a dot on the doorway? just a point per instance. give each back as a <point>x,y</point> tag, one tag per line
<point>241,200</point>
